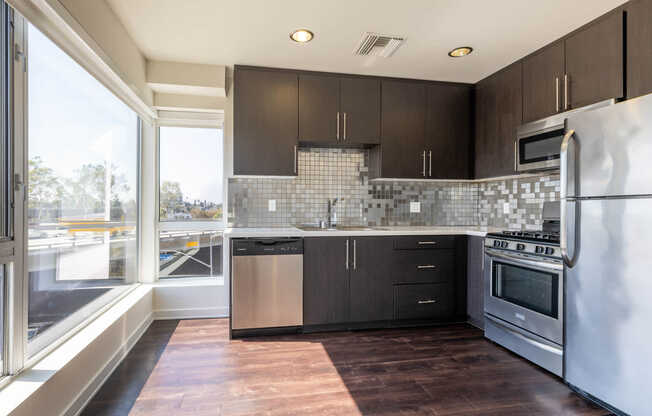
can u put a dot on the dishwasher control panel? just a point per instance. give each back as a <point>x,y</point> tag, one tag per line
<point>267,246</point>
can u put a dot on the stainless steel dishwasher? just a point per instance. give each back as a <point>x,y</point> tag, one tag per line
<point>267,289</point>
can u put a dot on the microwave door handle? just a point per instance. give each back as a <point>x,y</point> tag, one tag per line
<point>563,201</point>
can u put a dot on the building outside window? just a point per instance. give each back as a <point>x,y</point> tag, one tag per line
<point>83,161</point>
<point>191,206</point>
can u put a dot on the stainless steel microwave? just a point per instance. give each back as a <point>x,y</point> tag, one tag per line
<point>538,143</point>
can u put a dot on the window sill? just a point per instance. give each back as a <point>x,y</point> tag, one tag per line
<point>190,281</point>
<point>20,388</point>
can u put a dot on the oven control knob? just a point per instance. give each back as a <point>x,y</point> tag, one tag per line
<point>504,244</point>
<point>550,251</point>
<point>539,250</point>
<point>496,243</point>
<point>520,246</point>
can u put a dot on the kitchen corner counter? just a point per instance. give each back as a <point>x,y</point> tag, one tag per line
<point>378,231</point>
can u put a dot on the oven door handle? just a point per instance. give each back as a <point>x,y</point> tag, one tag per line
<point>522,337</point>
<point>542,264</point>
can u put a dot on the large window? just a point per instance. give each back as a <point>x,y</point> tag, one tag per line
<point>190,202</point>
<point>83,149</point>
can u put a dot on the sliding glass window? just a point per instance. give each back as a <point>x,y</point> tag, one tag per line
<point>190,202</point>
<point>83,147</point>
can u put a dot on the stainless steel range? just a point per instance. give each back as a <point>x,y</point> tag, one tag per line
<point>524,289</point>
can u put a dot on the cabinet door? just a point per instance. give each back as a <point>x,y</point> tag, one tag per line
<point>543,77</point>
<point>319,100</point>
<point>403,123</point>
<point>639,48</point>
<point>500,109</point>
<point>448,131</point>
<point>594,61</point>
<point>360,110</point>
<point>325,281</point>
<point>371,286</point>
<point>265,122</point>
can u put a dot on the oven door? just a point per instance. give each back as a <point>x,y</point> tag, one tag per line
<point>527,293</point>
<point>540,150</point>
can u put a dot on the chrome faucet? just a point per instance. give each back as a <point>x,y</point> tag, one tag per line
<point>332,214</point>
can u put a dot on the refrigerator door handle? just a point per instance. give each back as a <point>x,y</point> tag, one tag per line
<point>563,203</point>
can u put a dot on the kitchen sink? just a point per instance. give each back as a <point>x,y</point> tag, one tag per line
<point>340,228</point>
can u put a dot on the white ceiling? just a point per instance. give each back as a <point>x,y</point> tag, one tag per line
<point>256,32</point>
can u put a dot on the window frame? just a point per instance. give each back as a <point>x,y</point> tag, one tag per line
<point>196,225</point>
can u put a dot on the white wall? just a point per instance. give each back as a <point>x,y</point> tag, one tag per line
<point>149,204</point>
<point>191,298</point>
<point>99,21</point>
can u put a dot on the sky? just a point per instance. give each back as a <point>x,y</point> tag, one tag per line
<point>192,157</point>
<point>74,119</point>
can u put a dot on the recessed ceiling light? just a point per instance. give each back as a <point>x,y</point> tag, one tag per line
<point>460,52</point>
<point>301,35</point>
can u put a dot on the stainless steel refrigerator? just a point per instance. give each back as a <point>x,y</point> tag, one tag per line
<point>606,239</point>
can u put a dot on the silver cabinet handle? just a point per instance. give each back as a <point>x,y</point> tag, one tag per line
<point>295,158</point>
<point>344,126</point>
<point>427,242</point>
<point>337,134</point>
<point>354,256</point>
<point>430,165</point>
<point>565,91</point>
<point>422,302</point>
<point>427,266</point>
<point>516,155</point>
<point>424,163</point>
<point>556,94</point>
<point>347,254</point>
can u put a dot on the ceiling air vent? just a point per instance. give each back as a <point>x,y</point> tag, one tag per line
<point>376,44</point>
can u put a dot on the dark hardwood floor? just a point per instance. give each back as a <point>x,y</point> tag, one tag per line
<point>191,368</point>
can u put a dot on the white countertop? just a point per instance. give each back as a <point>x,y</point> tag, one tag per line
<point>406,230</point>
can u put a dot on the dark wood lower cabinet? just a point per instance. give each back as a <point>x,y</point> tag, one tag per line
<point>370,280</point>
<point>325,281</point>
<point>359,282</point>
<point>475,281</point>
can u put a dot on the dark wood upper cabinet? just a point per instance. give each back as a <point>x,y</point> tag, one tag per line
<point>371,294</point>
<point>403,124</point>
<point>594,61</point>
<point>325,281</point>
<point>334,110</point>
<point>449,126</point>
<point>360,110</point>
<point>265,126</point>
<point>498,114</point>
<point>319,106</point>
<point>543,78</point>
<point>639,47</point>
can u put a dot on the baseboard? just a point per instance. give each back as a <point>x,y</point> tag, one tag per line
<point>476,323</point>
<point>191,313</point>
<point>100,378</point>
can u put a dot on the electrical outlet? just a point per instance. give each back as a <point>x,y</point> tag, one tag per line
<point>271,205</point>
<point>506,208</point>
<point>415,207</point>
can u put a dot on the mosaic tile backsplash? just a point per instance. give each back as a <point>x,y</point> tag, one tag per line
<point>343,174</point>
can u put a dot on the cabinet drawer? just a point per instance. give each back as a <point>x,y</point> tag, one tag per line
<point>424,242</point>
<point>423,266</point>
<point>424,301</point>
